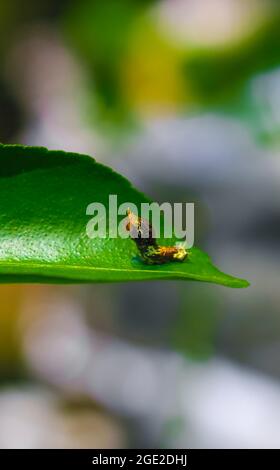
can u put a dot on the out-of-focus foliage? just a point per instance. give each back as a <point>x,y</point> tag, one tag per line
<point>100,33</point>
<point>150,57</point>
<point>11,363</point>
<point>194,334</point>
<point>139,63</point>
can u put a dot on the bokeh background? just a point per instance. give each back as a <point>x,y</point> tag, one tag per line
<point>182,97</point>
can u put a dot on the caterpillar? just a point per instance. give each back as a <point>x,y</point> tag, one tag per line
<point>151,253</point>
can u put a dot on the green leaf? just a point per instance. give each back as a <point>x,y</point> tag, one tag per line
<point>43,200</point>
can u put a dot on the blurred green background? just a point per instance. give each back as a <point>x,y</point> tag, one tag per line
<point>183,98</point>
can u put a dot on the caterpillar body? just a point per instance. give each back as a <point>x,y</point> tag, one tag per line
<point>141,231</point>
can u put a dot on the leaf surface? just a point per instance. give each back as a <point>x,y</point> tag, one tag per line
<point>43,199</point>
